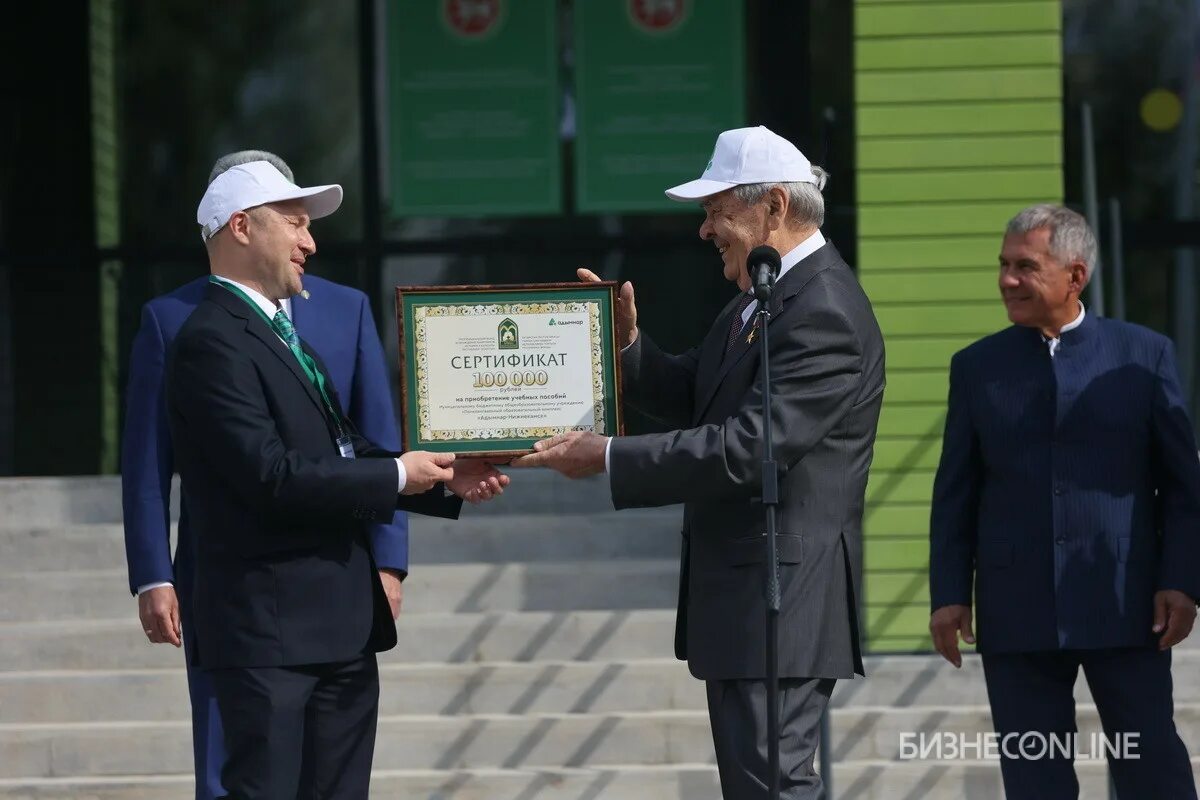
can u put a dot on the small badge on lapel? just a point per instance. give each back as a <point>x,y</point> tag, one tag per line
<point>753,331</point>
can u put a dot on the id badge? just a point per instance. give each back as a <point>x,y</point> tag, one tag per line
<point>345,447</point>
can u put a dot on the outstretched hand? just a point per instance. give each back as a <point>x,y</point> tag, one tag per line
<point>627,330</point>
<point>423,470</point>
<point>476,480</point>
<point>577,454</point>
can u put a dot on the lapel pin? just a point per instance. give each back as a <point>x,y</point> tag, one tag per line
<point>753,331</point>
<point>304,293</point>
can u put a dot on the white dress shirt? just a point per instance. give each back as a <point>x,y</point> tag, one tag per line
<point>790,259</point>
<point>1070,326</point>
<point>269,308</point>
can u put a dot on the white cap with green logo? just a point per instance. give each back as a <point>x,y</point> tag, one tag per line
<point>747,155</point>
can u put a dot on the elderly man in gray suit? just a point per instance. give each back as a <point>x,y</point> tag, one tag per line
<point>827,381</point>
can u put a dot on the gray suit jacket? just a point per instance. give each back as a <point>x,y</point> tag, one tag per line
<point>827,381</point>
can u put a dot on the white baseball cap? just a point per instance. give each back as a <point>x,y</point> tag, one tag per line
<point>254,184</point>
<point>747,155</point>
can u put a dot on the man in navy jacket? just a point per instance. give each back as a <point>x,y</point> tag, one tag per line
<point>337,322</point>
<point>1068,497</point>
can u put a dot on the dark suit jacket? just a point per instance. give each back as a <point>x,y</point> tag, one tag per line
<point>827,382</point>
<point>336,320</point>
<point>284,574</point>
<point>1068,489</point>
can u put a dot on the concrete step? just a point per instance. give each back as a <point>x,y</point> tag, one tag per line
<point>424,689</point>
<point>58,501</point>
<point>852,780</point>
<point>471,741</point>
<point>537,586</point>
<point>405,742</point>
<point>53,502</point>
<point>916,681</point>
<point>620,782</point>
<point>641,534</point>
<point>118,643</point>
<point>504,687</point>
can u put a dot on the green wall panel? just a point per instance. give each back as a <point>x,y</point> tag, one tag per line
<point>955,17</point>
<point>897,519</point>
<point>922,352</point>
<point>899,419</point>
<point>939,152</point>
<point>916,86</point>
<point>959,126</point>
<point>900,486</point>
<point>977,184</point>
<point>908,219</point>
<point>949,286</point>
<point>927,252</point>
<point>923,386</point>
<point>902,587</point>
<point>972,52</point>
<point>957,119</point>
<point>920,318</point>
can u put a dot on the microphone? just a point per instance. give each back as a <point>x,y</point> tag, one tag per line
<point>763,266</point>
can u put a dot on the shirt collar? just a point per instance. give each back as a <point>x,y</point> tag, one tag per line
<point>800,252</point>
<point>1070,326</point>
<point>260,299</point>
<point>1075,323</point>
<point>797,254</point>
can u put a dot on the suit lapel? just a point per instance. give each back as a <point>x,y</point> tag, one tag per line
<point>787,288</point>
<point>258,328</point>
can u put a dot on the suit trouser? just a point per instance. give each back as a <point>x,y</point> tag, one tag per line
<point>1033,692</point>
<point>208,742</point>
<point>737,710</point>
<point>299,733</point>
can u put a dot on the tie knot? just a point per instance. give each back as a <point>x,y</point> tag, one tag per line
<point>284,327</point>
<point>744,303</point>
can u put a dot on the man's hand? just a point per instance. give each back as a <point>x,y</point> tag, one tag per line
<point>1174,614</point>
<point>393,588</point>
<point>423,470</point>
<point>627,330</point>
<point>577,454</point>
<point>475,480</point>
<point>945,624</point>
<point>158,609</point>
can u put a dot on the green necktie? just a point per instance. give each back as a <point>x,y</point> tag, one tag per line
<point>287,331</point>
<point>283,326</point>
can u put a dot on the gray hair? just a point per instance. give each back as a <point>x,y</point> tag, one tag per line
<point>1071,238</point>
<point>245,157</point>
<point>805,203</point>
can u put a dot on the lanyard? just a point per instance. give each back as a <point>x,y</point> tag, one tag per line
<point>307,364</point>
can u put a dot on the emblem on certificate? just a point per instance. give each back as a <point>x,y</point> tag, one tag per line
<point>489,370</point>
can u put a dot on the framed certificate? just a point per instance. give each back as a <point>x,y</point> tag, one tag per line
<point>486,371</point>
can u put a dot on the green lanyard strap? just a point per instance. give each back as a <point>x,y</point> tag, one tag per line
<point>307,363</point>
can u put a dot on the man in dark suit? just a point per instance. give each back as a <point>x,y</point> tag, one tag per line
<point>827,385</point>
<point>337,322</point>
<point>288,607</point>
<point>1068,493</point>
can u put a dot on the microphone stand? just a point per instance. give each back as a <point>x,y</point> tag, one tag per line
<point>770,500</point>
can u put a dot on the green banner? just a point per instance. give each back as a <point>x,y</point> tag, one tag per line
<point>473,107</point>
<point>656,81</point>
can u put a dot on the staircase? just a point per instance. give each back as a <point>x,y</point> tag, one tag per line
<point>534,663</point>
